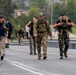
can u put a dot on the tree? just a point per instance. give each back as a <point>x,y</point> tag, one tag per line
<point>57,10</point>
<point>70,10</point>
<point>21,20</point>
<point>34,11</point>
<point>1,6</point>
<point>6,7</point>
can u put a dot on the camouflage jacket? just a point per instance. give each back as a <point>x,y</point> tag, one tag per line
<point>42,27</point>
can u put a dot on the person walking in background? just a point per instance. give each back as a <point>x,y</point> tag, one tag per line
<point>3,29</point>
<point>8,32</point>
<point>31,37</point>
<point>63,25</point>
<point>41,31</point>
<point>20,35</point>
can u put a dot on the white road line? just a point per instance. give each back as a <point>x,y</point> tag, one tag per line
<point>29,68</point>
<point>19,49</point>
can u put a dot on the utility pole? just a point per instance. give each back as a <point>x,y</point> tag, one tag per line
<point>24,3</point>
<point>52,12</point>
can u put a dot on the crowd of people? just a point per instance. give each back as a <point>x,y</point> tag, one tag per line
<point>41,30</point>
<point>37,31</point>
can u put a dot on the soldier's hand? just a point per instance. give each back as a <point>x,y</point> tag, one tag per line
<point>35,35</point>
<point>5,27</point>
<point>59,24</point>
<point>72,24</point>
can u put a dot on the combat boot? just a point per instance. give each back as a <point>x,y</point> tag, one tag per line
<point>31,53</point>
<point>65,54</point>
<point>34,53</point>
<point>61,55</point>
<point>44,56</point>
<point>2,57</point>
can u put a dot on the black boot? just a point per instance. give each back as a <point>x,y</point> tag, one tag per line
<point>44,56</point>
<point>6,45</point>
<point>61,55</point>
<point>2,57</point>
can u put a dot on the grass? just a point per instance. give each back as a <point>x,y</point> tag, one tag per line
<point>74,30</point>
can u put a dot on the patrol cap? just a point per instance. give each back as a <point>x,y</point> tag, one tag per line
<point>36,17</point>
<point>42,15</point>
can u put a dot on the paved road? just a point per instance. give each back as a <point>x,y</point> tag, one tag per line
<point>18,62</point>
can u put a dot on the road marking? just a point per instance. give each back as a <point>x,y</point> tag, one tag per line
<point>29,68</point>
<point>19,49</point>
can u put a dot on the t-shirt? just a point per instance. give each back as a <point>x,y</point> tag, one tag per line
<point>64,23</point>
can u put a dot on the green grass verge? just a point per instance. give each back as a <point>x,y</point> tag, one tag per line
<point>74,30</point>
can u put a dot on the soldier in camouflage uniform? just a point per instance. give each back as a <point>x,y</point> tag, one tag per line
<point>42,30</point>
<point>20,35</point>
<point>63,26</point>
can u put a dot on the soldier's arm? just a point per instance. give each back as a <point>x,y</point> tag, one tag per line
<point>35,28</point>
<point>49,29</point>
<point>5,27</point>
<point>28,24</point>
<point>69,23</point>
<point>58,23</point>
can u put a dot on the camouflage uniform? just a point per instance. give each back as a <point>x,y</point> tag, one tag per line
<point>42,29</point>
<point>63,36</point>
<point>63,39</point>
<point>20,35</point>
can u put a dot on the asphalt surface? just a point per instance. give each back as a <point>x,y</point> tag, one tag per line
<point>18,61</point>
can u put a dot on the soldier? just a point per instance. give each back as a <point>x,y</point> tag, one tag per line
<point>3,29</point>
<point>63,25</point>
<point>41,31</point>
<point>9,32</point>
<point>20,35</point>
<point>31,37</point>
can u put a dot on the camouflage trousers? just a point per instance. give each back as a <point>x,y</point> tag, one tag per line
<point>63,44</point>
<point>42,40</point>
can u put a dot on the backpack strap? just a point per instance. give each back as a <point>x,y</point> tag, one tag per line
<point>60,18</point>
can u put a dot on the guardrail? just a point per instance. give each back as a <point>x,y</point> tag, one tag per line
<point>54,43</point>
